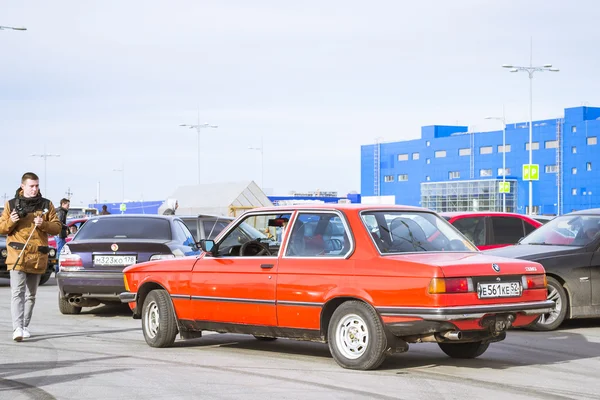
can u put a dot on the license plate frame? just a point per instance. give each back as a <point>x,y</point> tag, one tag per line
<point>112,260</point>
<point>495,290</point>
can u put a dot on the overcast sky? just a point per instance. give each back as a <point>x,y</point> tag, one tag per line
<point>107,83</point>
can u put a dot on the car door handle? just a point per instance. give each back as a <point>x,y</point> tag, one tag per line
<point>267,266</point>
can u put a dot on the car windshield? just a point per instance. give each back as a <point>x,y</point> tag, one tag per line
<point>567,230</point>
<point>402,232</point>
<point>125,228</point>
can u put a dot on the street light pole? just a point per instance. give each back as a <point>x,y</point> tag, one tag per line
<point>262,162</point>
<point>198,127</point>
<point>122,171</point>
<point>503,119</point>
<point>45,157</point>
<point>530,71</point>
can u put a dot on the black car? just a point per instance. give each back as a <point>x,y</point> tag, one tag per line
<point>91,265</point>
<point>4,273</point>
<point>568,247</point>
<point>206,226</point>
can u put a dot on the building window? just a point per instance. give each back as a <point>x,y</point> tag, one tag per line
<point>551,144</point>
<point>388,178</point>
<point>574,150</point>
<point>506,171</point>
<point>592,140</point>
<point>440,154</point>
<point>485,172</point>
<point>415,156</point>
<point>428,178</point>
<point>574,191</point>
<point>428,161</point>
<point>464,152</point>
<point>427,143</point>
<point>534,146</point>
<point>402,157</point>
<point>551,169</point>
<point>588,166</point>
<point>574,171</point>
<point>486,150</point>
<point>502,148</point>
<point>402,177</point>
<point>573,129</point>
<point>453,174</point>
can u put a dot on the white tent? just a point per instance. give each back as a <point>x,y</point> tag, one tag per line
<point>230,198</point>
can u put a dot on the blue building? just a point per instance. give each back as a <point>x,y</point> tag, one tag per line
<point>451,169</point>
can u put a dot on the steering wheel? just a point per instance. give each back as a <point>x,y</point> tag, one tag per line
<point>255,248</point>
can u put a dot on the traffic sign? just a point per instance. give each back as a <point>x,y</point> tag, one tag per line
<point>504,187</point>
<point>123,208</point>
<point>531,172</point>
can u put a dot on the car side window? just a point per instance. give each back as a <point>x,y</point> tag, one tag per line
<point>255,235</point>
<point>507,230</point>
<point>528,228</point>
<point>473,228</point>
<point>318,235</point>
<point>213,227</point>
<point>183,234</point>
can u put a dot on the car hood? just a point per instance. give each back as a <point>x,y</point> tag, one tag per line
<point>532,252</point>
<point>471,263</point>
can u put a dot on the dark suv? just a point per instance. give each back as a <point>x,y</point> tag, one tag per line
<point>52,260</point>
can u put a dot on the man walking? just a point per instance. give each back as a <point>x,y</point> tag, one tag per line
<point>62,217</point>
<point>27,220</point>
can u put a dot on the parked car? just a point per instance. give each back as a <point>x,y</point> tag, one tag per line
<point>4,273</point>
<point>206,226</point>
<point>543,218</point>
<point>368,280</point>
<point>77,222</point>
<point>91,265</point>
<point>568,248</point>
<point>490,230</point>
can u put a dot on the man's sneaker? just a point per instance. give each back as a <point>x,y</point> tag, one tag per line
<point>18,335</point>
<point>26,333</point>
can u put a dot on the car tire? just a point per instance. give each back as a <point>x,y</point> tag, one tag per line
<point>46,277</point>
<point>552,320</point>
<point>158,319</point>
<point>356,336</point>
<point>67,308</point>
<point>464,350</point>
<point>265,338</point>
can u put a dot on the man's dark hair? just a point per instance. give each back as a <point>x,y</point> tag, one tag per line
<point>29,175</point>
<point>64,201</point>
<point>104,207</point>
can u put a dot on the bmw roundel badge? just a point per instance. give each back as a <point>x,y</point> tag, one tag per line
<point>115,247</point>
<point>496,267</point>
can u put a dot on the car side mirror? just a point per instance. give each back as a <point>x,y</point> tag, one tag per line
<point>208,245</point>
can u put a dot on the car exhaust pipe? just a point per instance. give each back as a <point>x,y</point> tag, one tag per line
<point>75,300</point>
<point>452,335</point>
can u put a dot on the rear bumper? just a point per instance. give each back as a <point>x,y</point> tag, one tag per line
<point>443,314</point>
<point>127,297</point>
<point>106,285</point>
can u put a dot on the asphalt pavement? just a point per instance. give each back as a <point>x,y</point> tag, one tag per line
<point>101,354</point>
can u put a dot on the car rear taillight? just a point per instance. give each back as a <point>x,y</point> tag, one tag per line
<point>534,281</point>
<point>70,262</point>
<point>161,257</point>
<point>450,285</point>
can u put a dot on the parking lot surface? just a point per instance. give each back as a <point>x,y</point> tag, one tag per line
<point>101,354</point>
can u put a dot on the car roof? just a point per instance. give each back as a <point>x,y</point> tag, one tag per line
<point>483,213</point>
<point>591,211</point>
<point>342,207</point>
<point>215,216</point>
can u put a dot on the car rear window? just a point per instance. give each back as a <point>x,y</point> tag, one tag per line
<point>125,228</point>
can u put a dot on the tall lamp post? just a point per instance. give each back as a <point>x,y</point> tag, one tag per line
<point>262,162</point>
<point>198,127</point>
<point>530,71</point>
<point>503,120</point>
<point>45,157</point>
<point>122,171</point>
<point>12,28</point>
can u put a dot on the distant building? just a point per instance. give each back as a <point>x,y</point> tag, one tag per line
<point>451,169</point>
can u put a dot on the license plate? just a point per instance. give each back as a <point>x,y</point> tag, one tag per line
<point>498,289</point>
<point>114,260</point>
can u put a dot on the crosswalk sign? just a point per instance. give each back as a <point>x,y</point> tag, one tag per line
<point>531,172</point>
<point>504,187</point>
